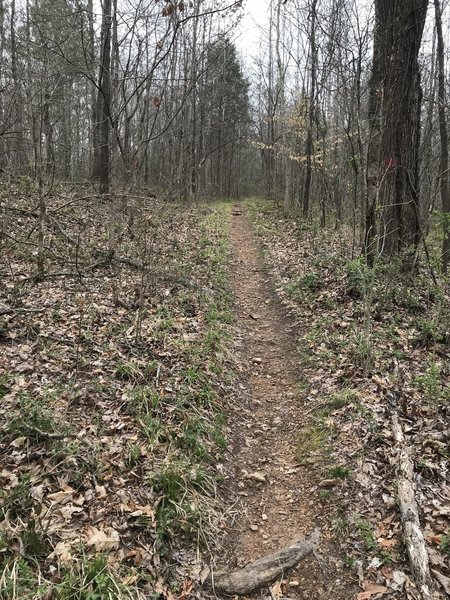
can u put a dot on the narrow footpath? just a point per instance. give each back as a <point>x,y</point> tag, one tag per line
<point>278,496</point>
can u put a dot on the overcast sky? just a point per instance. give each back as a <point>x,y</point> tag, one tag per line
<point>255,17</point>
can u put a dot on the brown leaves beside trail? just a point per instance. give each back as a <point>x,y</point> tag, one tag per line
<point>370,343</point>
<point>110,389</point>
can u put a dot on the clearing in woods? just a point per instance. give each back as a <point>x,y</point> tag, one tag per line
<point>278,495</point>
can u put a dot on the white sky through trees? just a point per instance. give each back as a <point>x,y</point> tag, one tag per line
<point>249,32</point>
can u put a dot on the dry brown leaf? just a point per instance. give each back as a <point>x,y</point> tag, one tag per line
<point>387,544</point>
<point>371,589</point>
<point>276,591</point>
<point>79,500</point>
<point>18,442</point>
<point>187,589</point>
<point>100,490</point>
<point>62,553</point>
<point>101,540</point>
<point>67,511</point>
<point>257,476</point>
<point>56,497</point>
<point>130,579</point>
<point>443,580</point>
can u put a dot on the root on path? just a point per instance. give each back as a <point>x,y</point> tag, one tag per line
<point>264,570</point>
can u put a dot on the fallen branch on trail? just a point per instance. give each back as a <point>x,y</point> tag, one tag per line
<point>414,540</point>
<point>264,570</point>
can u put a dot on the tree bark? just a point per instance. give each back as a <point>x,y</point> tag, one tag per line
<point>443,177</point>
<point>105,101</point>
<point>392,212</point>
<point>311,109</point>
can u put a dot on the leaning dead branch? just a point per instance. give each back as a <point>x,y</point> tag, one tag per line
<point>264,570</point>
<point>413,536</point>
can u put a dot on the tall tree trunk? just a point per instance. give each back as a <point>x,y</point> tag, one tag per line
<point>48,131</point>
<point>16,111</point>
<point>94,97</point>
<point>394,115</point>
<point>444,183</point>
<point>309,150</point>
<point>105,100</point>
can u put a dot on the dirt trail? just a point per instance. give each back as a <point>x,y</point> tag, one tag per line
<point>278,495</point>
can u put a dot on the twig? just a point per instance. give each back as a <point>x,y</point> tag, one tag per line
<point>6,310</point>
<point>49,434</point>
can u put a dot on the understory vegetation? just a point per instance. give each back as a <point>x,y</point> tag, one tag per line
<point>113,377</point>
<point>371,343</point>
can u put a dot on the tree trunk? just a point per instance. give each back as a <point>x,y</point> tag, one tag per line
<point>105,101</point>
<point>311,110</point>
<point>444,184</point>
<point>394,115</point>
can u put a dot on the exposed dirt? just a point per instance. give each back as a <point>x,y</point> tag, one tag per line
<point>278,495</point>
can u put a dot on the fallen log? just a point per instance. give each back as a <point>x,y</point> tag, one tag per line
<point>409,512</point>
<point>265,569</point>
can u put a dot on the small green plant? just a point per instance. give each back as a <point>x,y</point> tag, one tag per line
<point>444,546</point>
<point>313,441</point>
<point>152,429</point>
<point>218,438</point>
<point>310,281</point>
<point>361,351</point>
<point>343,398</point>
<point>339,472</point>
<point>132,455</point>
<point>35,542</point>
<point>33,420</point>
<point>385,556</point>
<point>18,579</point>
<point>143,400</point>
<point>338,401</point>
<point>19,501</point>
<point>350,562</point>
<point>177,484</point>
<point>361,411</point>
<point>359,277</point>
<point>127,371</point>
<point>325,494</point>
<point>71,458</point>
<point>164,326</point>
<point>432,329</point>
<point>303,286</point>
<point>340,526</point>
<point>92,579</point>
<point>4,384</point>
<point>213,340</point>
<point>365,531</point>
<point>433,389</point>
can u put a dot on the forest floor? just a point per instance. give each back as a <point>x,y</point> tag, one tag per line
<point>219,388</point>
